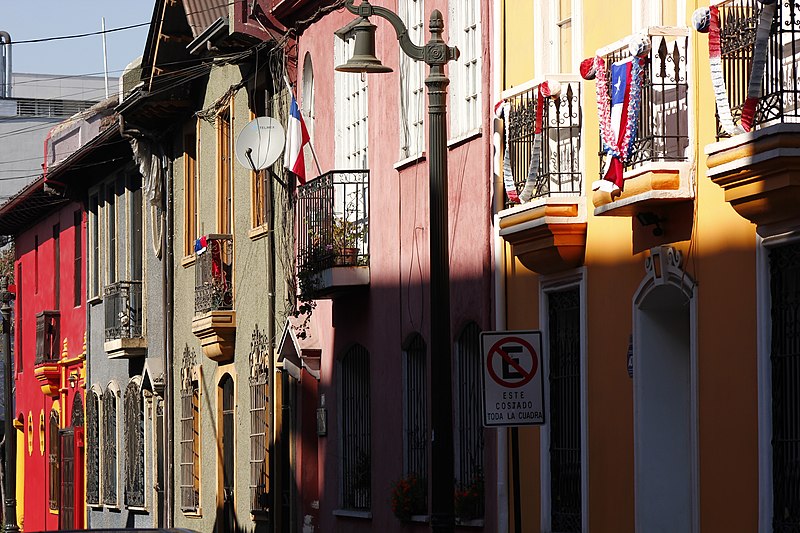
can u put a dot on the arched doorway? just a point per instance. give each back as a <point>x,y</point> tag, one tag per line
<point>665,434</point>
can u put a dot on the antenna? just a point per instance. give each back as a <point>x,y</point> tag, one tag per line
<point>259,143</point>
<point>105,55</point>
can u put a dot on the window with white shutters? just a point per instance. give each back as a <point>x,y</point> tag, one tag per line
<point>465,74</point>
<point>412,83</point>
<point>351,109</point>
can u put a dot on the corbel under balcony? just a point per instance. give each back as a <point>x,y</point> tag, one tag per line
<point>49,377</point>
<point>760,174</point>
<point>125,348</point>
<point>217,333</point>
<point>547,235</point>
<point>653,185</point>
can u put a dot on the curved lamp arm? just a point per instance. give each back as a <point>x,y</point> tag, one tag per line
<point>443,53</point>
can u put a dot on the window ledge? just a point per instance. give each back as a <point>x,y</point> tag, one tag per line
<point>188,260</point>
<point>198,513</point>
<point>408,161</point>
<point>347,513</point>
<point>420,518</point>
<point>136,509</point>
<point>461,139</point>
<point>478,522</point>
<point>94,300</point>
<point>258,232</point>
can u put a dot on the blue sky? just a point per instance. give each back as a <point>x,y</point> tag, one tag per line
<point>36,19</point>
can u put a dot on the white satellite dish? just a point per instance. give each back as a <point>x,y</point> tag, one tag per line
<point>262,140</point>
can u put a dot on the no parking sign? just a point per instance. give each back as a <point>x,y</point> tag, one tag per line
<point>513,391</point>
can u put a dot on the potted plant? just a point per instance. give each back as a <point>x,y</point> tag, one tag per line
<point>409,497</point>
<point>468,503</point>
<point>347,238</point>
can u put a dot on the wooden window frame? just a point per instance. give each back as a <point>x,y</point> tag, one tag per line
<point>224,129</point>
<point>191,148</point>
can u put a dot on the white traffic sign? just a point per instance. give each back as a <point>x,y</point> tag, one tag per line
<point>513,391</point>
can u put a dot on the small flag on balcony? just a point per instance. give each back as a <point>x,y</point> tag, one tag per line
<point>296,138</point>
<point>619,121</point>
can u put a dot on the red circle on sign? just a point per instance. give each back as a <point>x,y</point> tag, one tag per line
<point>495,350</point>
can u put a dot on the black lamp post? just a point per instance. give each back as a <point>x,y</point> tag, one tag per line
<point>10,511</point>
<point>436,54</point>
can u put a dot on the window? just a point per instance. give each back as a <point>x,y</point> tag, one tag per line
<point>57,266</point>
<point>135,225</point>
<point>20,317</point>
<point>228,441</point>
<point>190,436</point>
<point>415,410</point>
<point>469,424</point>
<point>92,448</point>
<point>36,264</point>
<point>54,459</point>
<point>94,247</point>
<point>465,74</point>
<point>564,403</point>
<point>77,271</point>
<point>412,83</point>
<point>259,399</point>
<point>110,448</point>
<point>111,233</point>
<point>784,267</point>
<point>356,451</point>
<point>134,446</point>
<point>307,104</point>
<point>351,109</point>
<point>564,25</point>
<point>224,185</point>
<point>190,191</point>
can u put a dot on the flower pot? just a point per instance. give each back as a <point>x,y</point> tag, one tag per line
<point>347,257</point>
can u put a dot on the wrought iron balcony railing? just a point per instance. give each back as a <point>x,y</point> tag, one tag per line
<point>333,222</point>
<point>663,118</point>
<point>559,172</point>
<point>47,337</point>
<point>123,305</point>
<point>780,87</point>
<point>214,275</point>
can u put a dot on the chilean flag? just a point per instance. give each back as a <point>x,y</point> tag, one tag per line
<point>296,138</point>
<point>620,99</point>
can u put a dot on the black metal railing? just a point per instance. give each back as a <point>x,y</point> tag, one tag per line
<point>333,221</point>
<point>214,275</point>
<point>123,306</point>
<point>663,118</point>
<point>47,335</point>
<point>780,87</point>
<point>559,171</point>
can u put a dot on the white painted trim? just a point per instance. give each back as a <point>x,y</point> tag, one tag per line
<point>763,340</point>
<point>668,273</point>
<point>547,284</point>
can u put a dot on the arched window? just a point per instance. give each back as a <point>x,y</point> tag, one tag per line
<point>92,448</point>
<point>354,402</point>
<point>134,446</point>
<point>467,413</point>
<point>54,459</point>
<point>308,94</point>
<point>415,408</point>
<point>110,447</point>
<point>227,427</point>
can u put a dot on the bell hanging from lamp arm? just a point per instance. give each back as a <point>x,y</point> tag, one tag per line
<point>364,60</point>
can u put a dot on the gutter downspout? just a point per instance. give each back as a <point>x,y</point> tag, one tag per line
<point>5,38</point>
<point>271,336</point>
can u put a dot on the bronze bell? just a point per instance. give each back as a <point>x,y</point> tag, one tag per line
<point>364,60</point>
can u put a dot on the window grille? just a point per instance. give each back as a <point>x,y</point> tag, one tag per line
<point>134,446</point>
<point>355,419</point>
<point>109,448</point>
<point>351,109</point>
<point>228,440</point>
<point>785,359</point>
<point>47,335</point>
<point>465,74</point>
<point>565,412</point>
<point>259,399</point>
<point>54,458</point>
<point>190,435</point>
<point>412,82</point>
<point>469,424</point>
<point>123,307</point>
<point>416,409</point>
<point>92,448</point>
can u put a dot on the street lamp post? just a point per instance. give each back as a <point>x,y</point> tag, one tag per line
<point>436,54</point>
<point>10,472</point>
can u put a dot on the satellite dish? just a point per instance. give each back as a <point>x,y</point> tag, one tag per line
<point>260,143</point>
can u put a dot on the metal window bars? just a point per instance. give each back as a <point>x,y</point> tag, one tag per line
<point>355,419</point>
<point>214,275</point>
<point>123,308</point>
<point>416,409</point>
<point>559,172</point>
<point>109,447</point>
<point>92,448</point>
<point>663,118</point>
<point>134,447</point>
<point>780,88</point>
<point>189,484</point>
<point>47,335</point>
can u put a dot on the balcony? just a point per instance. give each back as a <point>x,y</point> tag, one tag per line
<point>123,307</point>
<point>547,233</point>
<point>46,367</point>
<point>333,234</point>
<point>759,169</point>
<point>657,169</point>
<point>214,320</point>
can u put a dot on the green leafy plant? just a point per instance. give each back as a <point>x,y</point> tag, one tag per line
<point>409,497</point>
<point>468,504</point>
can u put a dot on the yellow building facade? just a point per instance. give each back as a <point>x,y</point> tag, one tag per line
<point>669,309</point>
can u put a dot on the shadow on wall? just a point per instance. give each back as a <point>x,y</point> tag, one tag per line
<point>227,522</point>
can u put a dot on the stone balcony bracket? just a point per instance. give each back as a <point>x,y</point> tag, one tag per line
<point>216,331</point>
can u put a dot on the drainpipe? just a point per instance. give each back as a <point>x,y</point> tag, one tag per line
<point>5,39</point>
<point>275,498</point>
<point>168,291</point>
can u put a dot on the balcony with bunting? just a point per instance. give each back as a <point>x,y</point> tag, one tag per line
<point>756,159</point>
<point>214,322</point>
<point>545,216</point>
<point>646,116</point>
